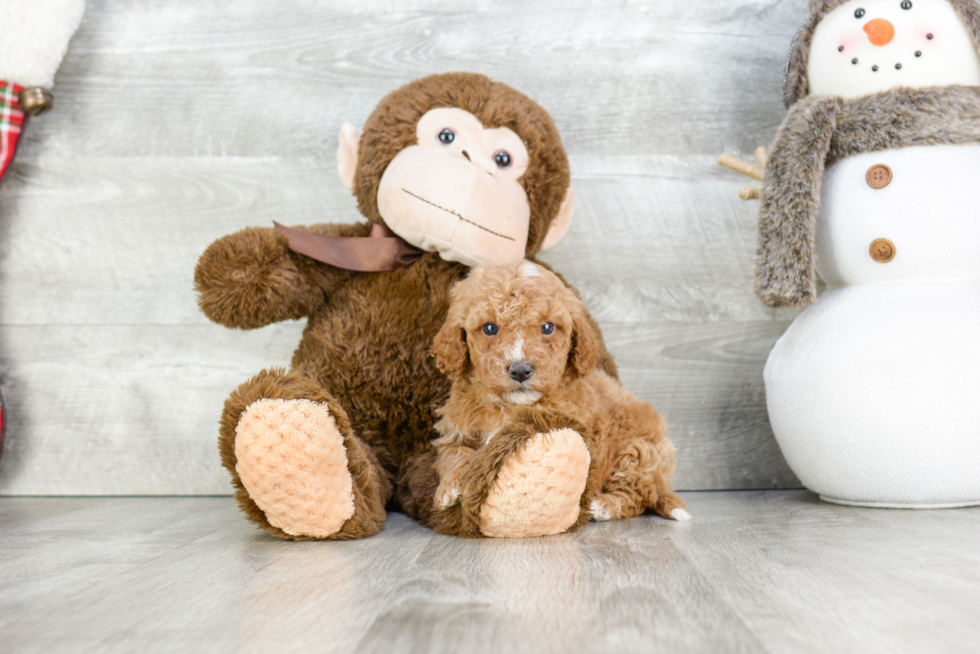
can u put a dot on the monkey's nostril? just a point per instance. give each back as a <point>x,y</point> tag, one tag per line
<point>520,371</point>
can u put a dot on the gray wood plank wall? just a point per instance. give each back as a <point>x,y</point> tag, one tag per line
<point>180,121</point>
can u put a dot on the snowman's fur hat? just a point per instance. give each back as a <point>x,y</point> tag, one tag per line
<point>821,130</point>
<point>795,83</point>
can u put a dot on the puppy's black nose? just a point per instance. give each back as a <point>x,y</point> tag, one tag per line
<point>520,371</point>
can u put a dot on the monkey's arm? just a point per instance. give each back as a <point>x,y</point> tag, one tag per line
<point>251,278</point>
<point>784,273</point>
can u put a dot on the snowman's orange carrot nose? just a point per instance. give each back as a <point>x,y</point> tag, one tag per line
<point>880,31</point>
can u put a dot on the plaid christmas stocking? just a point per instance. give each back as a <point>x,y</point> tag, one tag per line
<point>11,124</point>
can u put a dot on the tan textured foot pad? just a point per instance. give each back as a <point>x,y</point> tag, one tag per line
<point>293,463</point>
<point>537,492</point>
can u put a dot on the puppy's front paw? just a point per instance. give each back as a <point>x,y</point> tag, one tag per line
<point>603,508</point>
<point>447,495</point>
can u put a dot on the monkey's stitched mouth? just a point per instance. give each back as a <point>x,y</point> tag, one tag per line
<point>450,211</point>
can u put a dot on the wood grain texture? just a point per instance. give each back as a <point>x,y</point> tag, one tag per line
<point>754,572</point>
<point>179,122</point>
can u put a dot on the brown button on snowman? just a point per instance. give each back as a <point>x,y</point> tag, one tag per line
<point>873,390</point>
<point>879,176</point>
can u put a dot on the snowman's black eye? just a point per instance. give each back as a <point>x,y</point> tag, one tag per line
<point>502,158</point>
<point>906,5</point>
<point>858,13</point>
<point>447,136</point>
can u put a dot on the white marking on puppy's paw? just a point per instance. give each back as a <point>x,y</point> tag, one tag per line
<point>680,515</point>
<point>599,512</point>
<point>446,500</point>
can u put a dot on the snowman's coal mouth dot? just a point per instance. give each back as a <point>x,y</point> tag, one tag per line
<point>898,66</point>
<point>875,68</point>
<point>840,49</point>
<point>918,53</point>
<point>854,61</point>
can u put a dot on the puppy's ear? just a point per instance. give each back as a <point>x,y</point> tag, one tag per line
<point>585,347</point>
<point>450,349</point>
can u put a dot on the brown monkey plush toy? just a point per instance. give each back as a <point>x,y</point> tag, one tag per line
<point>451,171</point>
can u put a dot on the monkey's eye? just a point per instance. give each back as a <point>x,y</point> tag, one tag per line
<point>447,136</point>
<point>859,13</point>
<point>547,329</point>
<point>490,329</point>
<point>502,158</point>
<point>906,4</point>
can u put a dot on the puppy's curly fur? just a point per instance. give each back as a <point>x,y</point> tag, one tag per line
<point>516,336</point>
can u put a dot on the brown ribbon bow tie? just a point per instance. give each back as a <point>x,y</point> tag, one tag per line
<point>382,249</point>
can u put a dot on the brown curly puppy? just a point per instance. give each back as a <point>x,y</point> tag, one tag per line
<point>517,337</point>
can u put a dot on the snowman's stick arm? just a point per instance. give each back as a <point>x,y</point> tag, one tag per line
<point>739,166</point>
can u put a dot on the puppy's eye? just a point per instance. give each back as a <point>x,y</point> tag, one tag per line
<point>447,136</point>
<point>906,5</point>
<point>547,329</point>
<point>859,13</point>
<point>502,158</point>
<point>490,329</point>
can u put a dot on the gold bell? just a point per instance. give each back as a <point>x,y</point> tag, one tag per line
<point>34,101</point>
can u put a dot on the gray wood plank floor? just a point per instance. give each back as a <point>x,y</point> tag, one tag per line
<point>177,122</point>
<point>764,571</point>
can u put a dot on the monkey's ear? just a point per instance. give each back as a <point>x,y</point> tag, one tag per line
<point>350,138</point>
<point>559,226</point>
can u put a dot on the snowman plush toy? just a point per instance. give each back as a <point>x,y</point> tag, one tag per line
<point>873,182</point>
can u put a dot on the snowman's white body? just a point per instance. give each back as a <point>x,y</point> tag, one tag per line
<point>874,391</point>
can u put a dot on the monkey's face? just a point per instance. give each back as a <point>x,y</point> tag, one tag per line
<point>868,46</point>
<point>457,191</point>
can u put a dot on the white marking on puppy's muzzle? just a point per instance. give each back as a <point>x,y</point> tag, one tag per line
<point>516,352</point>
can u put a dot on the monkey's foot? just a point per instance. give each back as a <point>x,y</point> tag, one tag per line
<point>293,463</point>
<point>538,490</point>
